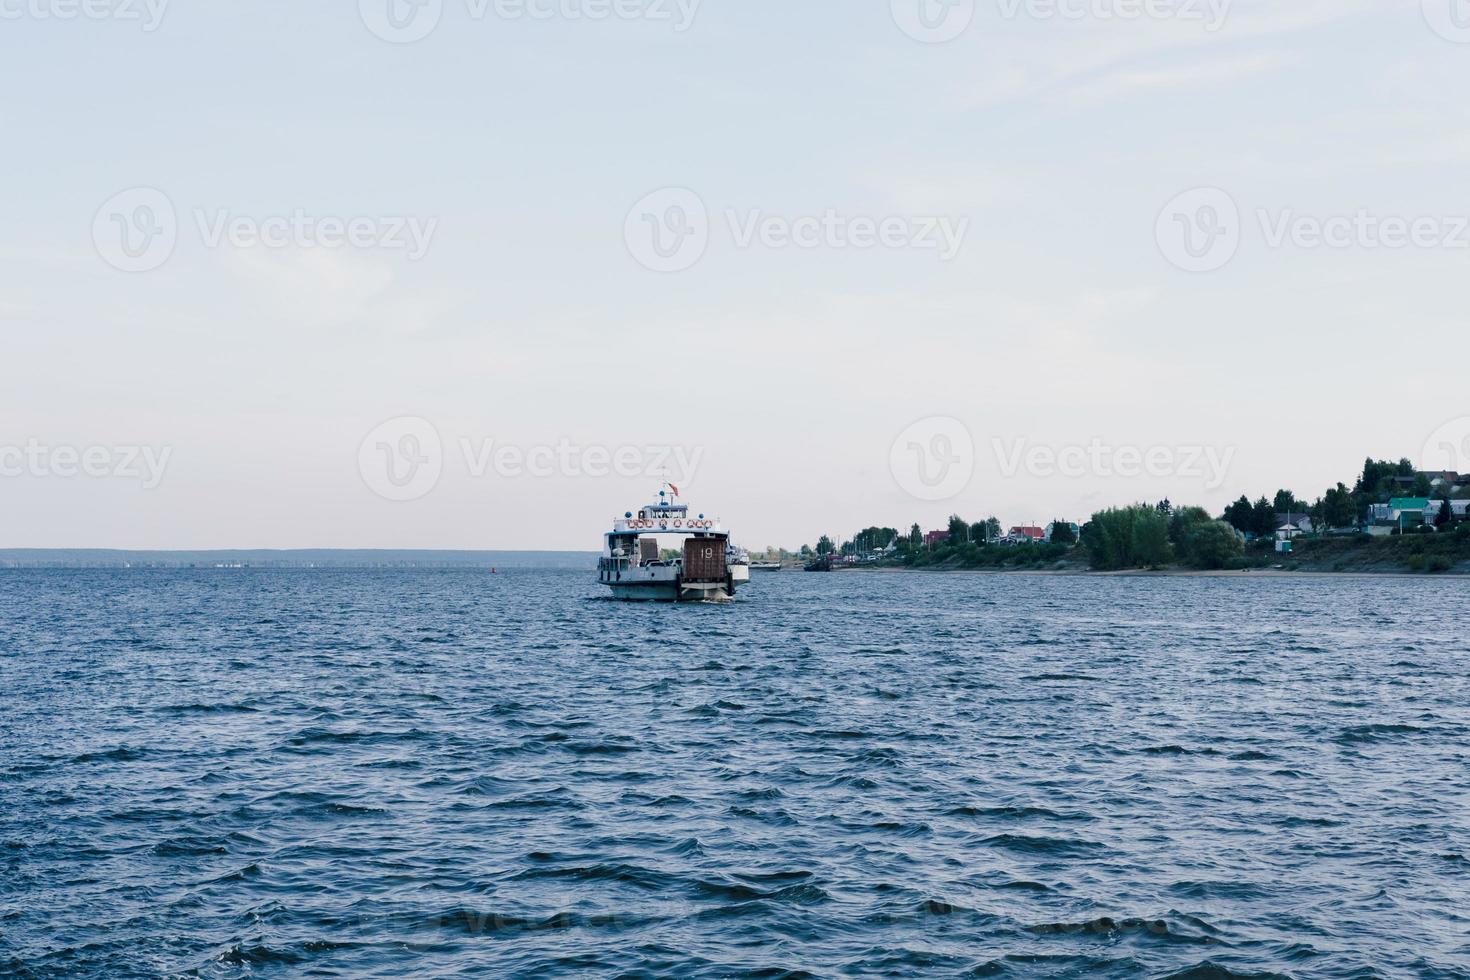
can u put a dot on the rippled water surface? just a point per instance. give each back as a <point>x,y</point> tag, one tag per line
<point>283,773</point>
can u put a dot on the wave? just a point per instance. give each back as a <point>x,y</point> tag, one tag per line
<point>1377,732</point>
<point>1047,846</point>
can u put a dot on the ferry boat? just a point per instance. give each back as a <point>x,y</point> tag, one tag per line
<point>636,568</point>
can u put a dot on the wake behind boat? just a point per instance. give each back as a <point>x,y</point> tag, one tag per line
<point>638,568</point>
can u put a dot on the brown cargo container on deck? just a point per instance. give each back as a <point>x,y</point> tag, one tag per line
<point>704,560</point>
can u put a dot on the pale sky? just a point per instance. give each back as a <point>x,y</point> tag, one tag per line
<point>991,198</point>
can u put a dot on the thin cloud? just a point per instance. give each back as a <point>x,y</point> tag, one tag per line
<point>1133,82</point>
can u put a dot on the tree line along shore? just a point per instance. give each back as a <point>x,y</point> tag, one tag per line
<point>1393,519</point>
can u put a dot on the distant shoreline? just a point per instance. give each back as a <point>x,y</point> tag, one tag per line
<point>291,558</point>
<point>1169,573</point>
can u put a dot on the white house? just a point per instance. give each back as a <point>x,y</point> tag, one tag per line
<point>1291,525</point>
<point>1458,510</point>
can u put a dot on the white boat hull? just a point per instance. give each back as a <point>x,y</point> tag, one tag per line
<point>647,592</point>
<point>663,584</point>
<point>670,592</point>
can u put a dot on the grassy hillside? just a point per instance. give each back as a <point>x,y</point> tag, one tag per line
<point>1424,553</point>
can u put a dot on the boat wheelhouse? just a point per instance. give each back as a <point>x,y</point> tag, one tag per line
<point>639,563</point>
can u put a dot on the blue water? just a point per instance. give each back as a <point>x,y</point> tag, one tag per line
<point>288,773</point>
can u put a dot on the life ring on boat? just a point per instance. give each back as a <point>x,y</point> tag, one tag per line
<point>678,524</point>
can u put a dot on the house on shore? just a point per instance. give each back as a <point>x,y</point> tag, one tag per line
<point>1291,525</point>
<point>1459,511</point>
<point>1399,513</point>
<point>1411,513</point>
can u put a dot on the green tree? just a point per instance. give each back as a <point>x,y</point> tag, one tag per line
<point>1376,483</point>
<point>1211,545</point>
<point>959,529</point>
<point>1446,514</point>
<point>1127,537</point>
<point>1183,520</point>
<point>1422,487</point>
<point>916,536</point>
<point>979,533</point>
<point>1151,541</point>
<point>1286,502</point>
<point>1062,533</point>
<point>825,546</point>
<point>1240,515</point>
<point>874,538</point>
<point>1263,518</point>
<point>993,529</point>
<point>1339,509</point>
